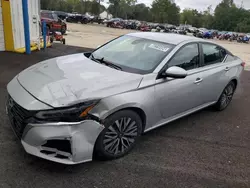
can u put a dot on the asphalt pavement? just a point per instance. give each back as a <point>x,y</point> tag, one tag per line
<point>207,149</point>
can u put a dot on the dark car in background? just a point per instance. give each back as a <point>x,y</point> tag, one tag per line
<point>53,22</point>
<point>96,19</point>
<point>113,22</point>
<point>61,15</point>
<point>76,18</point>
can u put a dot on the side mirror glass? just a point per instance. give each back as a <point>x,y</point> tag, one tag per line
<point>175,72</point>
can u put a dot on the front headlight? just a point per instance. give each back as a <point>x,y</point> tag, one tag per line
<point>72,114</point>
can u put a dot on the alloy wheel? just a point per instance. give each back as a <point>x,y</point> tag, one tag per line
<point>227,96</point>
<point>120,136</point>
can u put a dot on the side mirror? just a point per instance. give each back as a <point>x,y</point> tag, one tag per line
<point>175,72</point>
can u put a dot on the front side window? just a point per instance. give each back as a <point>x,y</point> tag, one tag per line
<point>213,54</point>
<point>187,58</point>
<point>133,54</point>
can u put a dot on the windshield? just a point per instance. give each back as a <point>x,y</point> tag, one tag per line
<point>133,54</point>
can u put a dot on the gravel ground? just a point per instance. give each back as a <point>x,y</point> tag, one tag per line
<point>94,35</point>
<point>206,149</point>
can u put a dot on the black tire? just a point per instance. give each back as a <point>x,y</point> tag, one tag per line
<point>226,97</point>
<point>114,141</point>
<point>64,41</point>
<point>84,21</point>
<point>51,39</point>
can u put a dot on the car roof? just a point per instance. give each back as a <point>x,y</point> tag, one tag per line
<point>46,11</point>
<point>169,38</point>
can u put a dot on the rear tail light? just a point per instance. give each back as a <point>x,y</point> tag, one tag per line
<point>243,64</point>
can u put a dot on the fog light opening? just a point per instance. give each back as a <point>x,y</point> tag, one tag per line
<point>57,148</point>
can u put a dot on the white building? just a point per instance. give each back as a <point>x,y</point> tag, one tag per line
<point>105,15</point>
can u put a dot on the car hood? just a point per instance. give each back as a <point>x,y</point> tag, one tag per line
<point>72,79</point>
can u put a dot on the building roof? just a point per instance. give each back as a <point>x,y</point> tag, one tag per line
<point>165,37</point>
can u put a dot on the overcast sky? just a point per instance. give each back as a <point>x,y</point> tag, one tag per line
<point>198,4</point>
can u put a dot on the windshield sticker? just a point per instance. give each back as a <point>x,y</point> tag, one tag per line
<point>158,47</point>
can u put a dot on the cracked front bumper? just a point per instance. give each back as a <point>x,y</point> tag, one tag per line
<point>48,141</point>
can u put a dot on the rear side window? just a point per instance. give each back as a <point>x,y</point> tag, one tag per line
<point>187,58</point>
<point>213,54</point>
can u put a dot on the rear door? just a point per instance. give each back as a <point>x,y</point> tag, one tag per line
<point>216,71</point>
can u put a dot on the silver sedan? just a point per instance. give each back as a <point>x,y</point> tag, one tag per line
<point>72,108</point>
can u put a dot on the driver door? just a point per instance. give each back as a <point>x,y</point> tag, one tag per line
<point>176,96</point>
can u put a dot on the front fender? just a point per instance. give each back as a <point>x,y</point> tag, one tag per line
<point>143,99</point>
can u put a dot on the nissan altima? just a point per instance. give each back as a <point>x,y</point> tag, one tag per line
<point>97,104</point>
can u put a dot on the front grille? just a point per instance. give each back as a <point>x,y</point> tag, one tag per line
<point>18,116</point>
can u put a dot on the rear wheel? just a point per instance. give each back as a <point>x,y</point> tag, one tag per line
<point>121,132</point>
<point>226,97</point>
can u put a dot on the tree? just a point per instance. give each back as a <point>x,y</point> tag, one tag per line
<point>121,8</point>
<point>141,12</point>
<point>165,11</point>
<point>207,18</point>
<point>80,6</point>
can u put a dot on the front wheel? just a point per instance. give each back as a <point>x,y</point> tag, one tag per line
<point>122,130</point>
<point>226,97</point>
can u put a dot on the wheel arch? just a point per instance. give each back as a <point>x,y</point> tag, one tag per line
<point>133,107</point>
<point>235,81</point>
<point>140,112</point>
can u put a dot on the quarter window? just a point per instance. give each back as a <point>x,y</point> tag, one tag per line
<point>230,58</point>
<point>187,58</point>
<point>213,54</point>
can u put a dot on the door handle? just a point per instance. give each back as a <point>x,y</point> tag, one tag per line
<point>227,69</point>
<point>198,80</point>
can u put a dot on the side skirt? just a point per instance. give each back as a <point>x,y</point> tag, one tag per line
<point>178,116</point>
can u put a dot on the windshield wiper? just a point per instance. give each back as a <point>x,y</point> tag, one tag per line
<point>107,63</point>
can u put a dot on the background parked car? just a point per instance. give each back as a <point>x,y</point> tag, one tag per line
<point>145,27</point>
<point>53,23</point>
<point>76,18</point>
<point>61,15</point>
<point>96,19</point>
<point>113,22</point>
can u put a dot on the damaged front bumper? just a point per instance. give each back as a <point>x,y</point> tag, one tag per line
<point>67,143</point>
